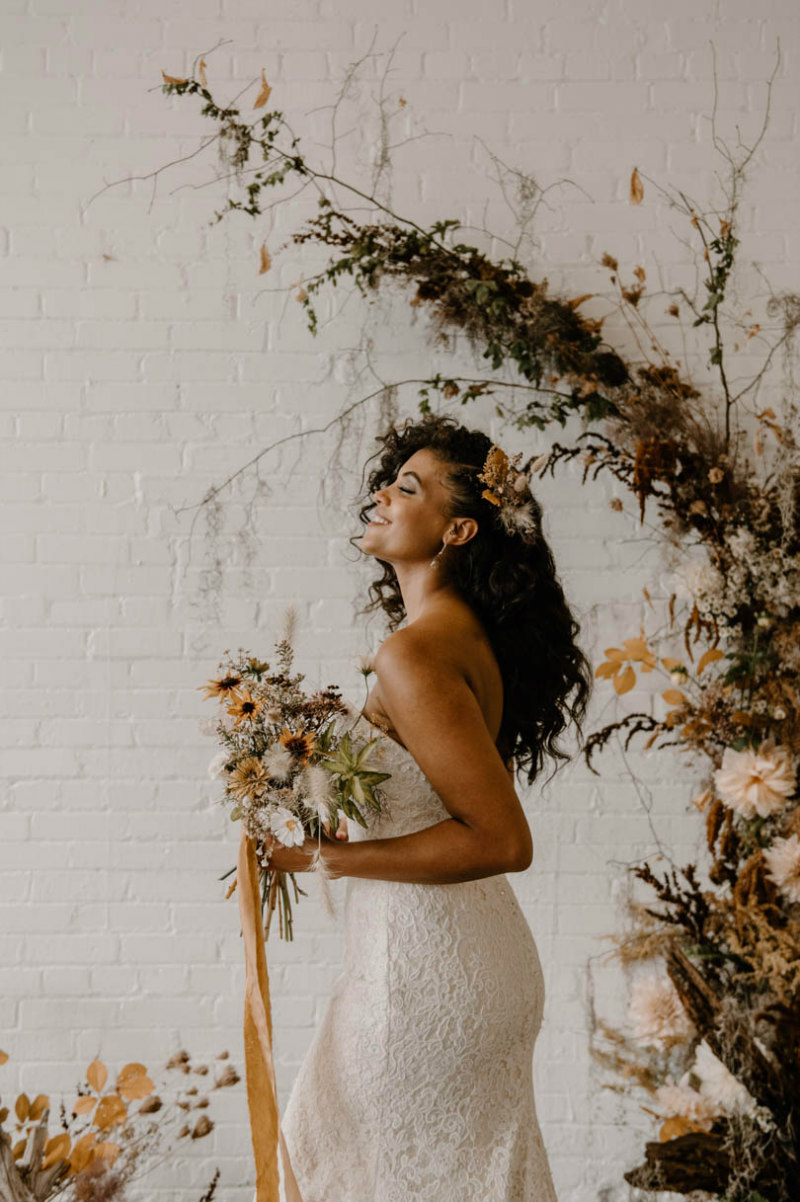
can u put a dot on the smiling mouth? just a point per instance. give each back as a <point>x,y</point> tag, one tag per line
<point>379,522</point>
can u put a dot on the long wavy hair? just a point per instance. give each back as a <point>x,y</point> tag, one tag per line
<point>510,585</point>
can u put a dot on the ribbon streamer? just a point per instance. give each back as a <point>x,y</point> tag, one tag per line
<point>262,1093</point>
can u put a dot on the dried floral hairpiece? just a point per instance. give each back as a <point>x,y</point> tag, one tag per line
<point>508,488</point>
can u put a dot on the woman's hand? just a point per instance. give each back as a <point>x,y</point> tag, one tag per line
<point>290,859</point>
<point>299,859</point>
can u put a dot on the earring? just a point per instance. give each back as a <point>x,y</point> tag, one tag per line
<point>437,557</point>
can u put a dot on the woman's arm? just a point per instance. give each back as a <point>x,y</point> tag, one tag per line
<point>437,716</point>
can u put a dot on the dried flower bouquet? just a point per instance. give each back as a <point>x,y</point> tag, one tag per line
<point>289,765</point>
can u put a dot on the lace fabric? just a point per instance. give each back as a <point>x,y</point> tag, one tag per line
<point>417,1085</point>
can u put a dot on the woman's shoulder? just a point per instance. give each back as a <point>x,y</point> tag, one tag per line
<point>444,635</point>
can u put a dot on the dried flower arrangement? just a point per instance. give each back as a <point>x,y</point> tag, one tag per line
<point>109,1137</point>
<point>288,767</point>
<point>714,1033</point>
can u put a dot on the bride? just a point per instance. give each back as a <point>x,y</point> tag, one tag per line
<point>417,1086</point>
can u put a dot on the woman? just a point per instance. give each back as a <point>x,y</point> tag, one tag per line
<point>417,1086</point>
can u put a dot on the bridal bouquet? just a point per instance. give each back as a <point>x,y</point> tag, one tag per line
<point>287,765</point>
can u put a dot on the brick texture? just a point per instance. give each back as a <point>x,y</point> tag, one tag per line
<point>143,360</point>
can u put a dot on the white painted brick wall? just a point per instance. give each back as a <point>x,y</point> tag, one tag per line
<point>143,359</point>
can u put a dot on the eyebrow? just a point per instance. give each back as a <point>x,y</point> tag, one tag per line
<point>414,474</point>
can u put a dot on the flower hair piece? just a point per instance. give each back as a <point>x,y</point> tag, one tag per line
<point>508,488</point>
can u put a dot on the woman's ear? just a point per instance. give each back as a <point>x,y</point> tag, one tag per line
<point>462,530</point>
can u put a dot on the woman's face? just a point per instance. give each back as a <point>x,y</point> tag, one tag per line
<point>409,522</point>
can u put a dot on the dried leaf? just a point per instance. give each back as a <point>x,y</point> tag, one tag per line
<point>637,649</point>
<point>615,653</point>
<point>129,1072</point>
<point>55,1149</point>
<point>107,1150</point>
<point>137,1087</point>
<point>302,295</point>
<point>606,669</point>
<point>172,78</point>
<point>710,657</point>
<point>84,1104</point>
<point>676,1126</point>
<point>228,1076</point>
<point>263,95</point>
<point>110,1110</point>
<point>97,1075</point>
<point>3,1057</point>
<point>266,261</point>
<point>202,1127</point>
<point>19,1148</point>
<point>38,1106</point>
<point>639,272</point>
<point>150,1105</point>
<point>671,663</point>
<point>22,1107</point>
<point>3,1114</point>
<point>674,697</point>
<point>201,72</point>
<point>578,300</point>
<point>82,1152</point>
<point>637,191</point>
<point>625,680</point>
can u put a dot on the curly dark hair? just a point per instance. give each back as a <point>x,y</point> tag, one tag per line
<point>509,584</point>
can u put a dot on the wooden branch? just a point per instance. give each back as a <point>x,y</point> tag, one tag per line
<point>739,1053</point>
<point>39,1180</point>
<point>12,1187</point>
<point>25,1180</point>
<point>697,1161</point>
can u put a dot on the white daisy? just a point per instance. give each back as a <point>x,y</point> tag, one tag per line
<point>783,865</point>
<point>657,1014</point>
<point>286,827</point>
<point>755,782</point>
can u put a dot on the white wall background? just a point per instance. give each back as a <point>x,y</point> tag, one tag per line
<point>144,360</point>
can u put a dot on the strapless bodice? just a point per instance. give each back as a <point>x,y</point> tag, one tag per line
<point>409,802</point>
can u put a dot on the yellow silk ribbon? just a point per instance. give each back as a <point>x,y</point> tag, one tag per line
<point>262,1093</point>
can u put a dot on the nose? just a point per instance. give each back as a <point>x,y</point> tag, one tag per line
<point>379,495</point>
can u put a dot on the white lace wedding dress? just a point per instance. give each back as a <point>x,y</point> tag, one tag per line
<point>417,1085</point>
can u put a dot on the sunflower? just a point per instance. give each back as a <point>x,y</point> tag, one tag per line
<point>298,743</point>
<point>247,778</point>
<point>224,687</point>
<point>244,705</point>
